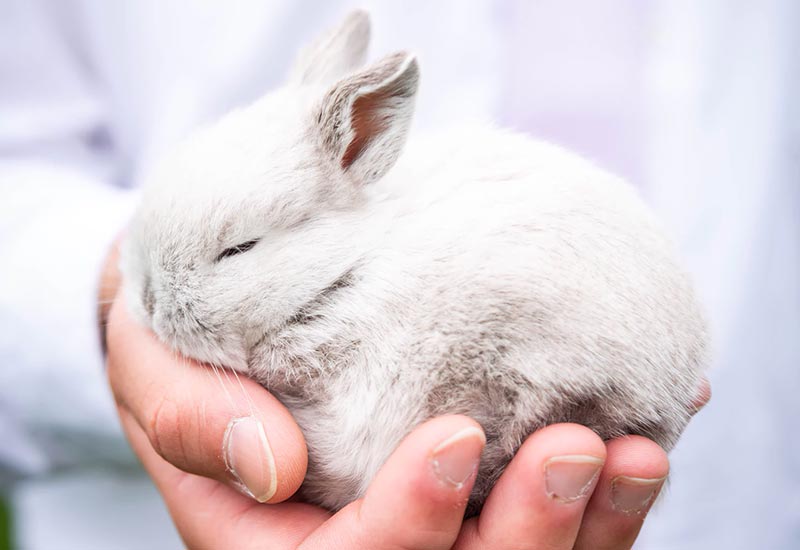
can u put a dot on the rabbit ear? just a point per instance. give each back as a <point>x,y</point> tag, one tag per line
<point>363,120</point>
<point>335,54</point>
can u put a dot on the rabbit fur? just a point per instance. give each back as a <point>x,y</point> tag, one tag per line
<point>481,272</point>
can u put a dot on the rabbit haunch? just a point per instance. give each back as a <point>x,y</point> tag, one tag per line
<point>480,272</point>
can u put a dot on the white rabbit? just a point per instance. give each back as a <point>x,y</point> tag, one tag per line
<point>480,273</point>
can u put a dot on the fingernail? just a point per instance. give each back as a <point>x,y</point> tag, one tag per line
<point>455,460</point>
<point>570,477</point>
<point>249,458</point>
<point>633,495</point>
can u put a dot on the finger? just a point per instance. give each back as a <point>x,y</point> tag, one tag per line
<point>635,471</point>
<point>229,429</point>
<point>539,500</point>
<point>417,499</point>
<point>209,514</point>
<point>703,395</point>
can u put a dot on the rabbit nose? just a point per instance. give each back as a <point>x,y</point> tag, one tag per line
<point>148,297</point>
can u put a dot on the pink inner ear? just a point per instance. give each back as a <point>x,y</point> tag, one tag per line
<point>366,122</point>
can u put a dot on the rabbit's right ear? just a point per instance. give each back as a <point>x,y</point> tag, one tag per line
<point>362,122</point>
<point>335,54</point>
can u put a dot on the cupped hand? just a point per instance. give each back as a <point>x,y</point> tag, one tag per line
<point>215,453</point>
<point>218,447</point>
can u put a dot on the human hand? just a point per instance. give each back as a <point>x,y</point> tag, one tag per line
<point>186,426</point>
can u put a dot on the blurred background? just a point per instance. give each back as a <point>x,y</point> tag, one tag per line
<point>694,102</point>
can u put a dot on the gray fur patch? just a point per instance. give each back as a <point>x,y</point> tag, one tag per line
<point>307,313</point>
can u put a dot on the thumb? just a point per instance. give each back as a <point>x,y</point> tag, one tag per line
<point>215,424</point>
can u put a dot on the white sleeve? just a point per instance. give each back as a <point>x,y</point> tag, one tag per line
<point>57,226</point>
<point>59,212</point>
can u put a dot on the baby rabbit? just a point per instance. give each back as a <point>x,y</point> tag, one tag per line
<point>480,272</point>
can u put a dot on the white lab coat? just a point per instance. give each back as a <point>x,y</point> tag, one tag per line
<point>691,102</point>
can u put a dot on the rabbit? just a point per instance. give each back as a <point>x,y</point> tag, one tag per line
<point>372,285</point>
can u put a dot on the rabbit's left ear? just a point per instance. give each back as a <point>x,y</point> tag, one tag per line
<point>335,54</point>
<point>363,121</point>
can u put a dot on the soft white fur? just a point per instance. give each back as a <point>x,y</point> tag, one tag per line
<point>484,273</point>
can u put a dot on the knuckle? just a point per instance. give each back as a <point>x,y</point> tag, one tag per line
<point>165,426</point>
